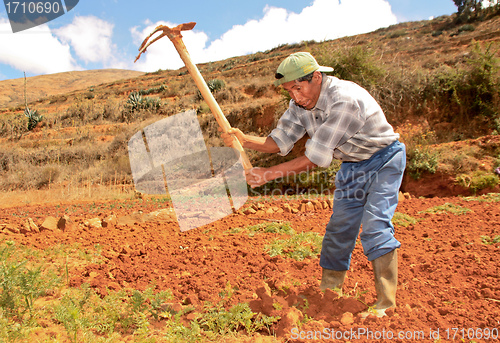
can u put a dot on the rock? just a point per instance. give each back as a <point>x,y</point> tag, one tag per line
<point>30,226</point>
<point>289,320</point>
<point>131,219</point>
<point>65,223</point>
<point>110,221</point>
<point>407,195</point>
<point>317,205</point>
<point>347,318</point>
<point>264,291</point>
<point>258,206</point>
<point>307,207</point>
<point>50,224</point>
<point>12,228</point>
<point>274,209</point>
<point>401,197</point>
<point>249,211</point>
<point>166,214</point>
<point>329,202</point>
<point>94,223</point>
<point>289,209</point>
<point>114,286</point>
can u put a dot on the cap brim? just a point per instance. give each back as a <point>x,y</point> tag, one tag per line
<point>322,69</point>
<point>325,69</point>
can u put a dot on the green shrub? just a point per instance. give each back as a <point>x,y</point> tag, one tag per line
<point>220,321</point>
<point>398,33</point>
<point>490,197</point>
<point>447,207</point>
<point>420,160</point>
<point>153,90</point>
<point>356,64</point>
<point>21,284</point>
<point>282,228</point>
<point>403,219</point>
<point>318,181</point>
<point>490,241</point>
<point>469,91</point>
<point>478,180</point>
<point>466,28</point>
<point>299,246</point>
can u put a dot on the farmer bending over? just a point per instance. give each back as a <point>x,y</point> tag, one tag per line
<point>344,122</point>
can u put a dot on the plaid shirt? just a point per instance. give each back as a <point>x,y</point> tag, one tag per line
<point>347,124</point>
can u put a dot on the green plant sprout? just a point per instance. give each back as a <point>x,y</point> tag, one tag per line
<point>403,219</point>
<point>447,207</point>
<point>490,241</point>
<point>299,246</point>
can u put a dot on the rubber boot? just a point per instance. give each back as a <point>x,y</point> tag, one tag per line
<point>385,270</point>
<point>332,279</point>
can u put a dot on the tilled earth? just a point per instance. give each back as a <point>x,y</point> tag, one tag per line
<point>448,266</point>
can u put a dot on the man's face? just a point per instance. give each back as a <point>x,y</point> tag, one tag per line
<point>305,94</point>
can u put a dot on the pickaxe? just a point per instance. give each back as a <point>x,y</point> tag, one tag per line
<point>174,34</point>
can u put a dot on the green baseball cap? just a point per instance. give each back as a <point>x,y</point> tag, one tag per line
<point>297,65</point>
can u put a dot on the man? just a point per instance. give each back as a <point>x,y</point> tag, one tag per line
<point>343,121</point>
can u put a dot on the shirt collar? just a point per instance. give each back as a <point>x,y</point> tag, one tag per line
<point>321,104</point>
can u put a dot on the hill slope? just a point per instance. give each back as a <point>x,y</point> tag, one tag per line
<point>407,67</point>
<point>43,86</point>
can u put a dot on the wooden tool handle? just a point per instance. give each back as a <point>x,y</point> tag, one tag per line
<point>221,119</point>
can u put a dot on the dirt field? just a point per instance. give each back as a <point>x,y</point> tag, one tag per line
<point>448,266</point>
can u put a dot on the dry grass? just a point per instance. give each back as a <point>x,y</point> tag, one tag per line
<point>59,194</point>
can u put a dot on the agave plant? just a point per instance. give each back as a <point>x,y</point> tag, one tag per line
<point>214,86</point>
<point>33,118</point>
<point>135,101</point>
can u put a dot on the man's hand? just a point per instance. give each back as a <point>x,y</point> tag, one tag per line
<point>229,136</point>
<point>258,176</point>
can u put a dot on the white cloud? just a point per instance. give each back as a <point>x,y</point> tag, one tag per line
<point>323,20</point>
<point>90,37</point>
<point>35,50</point>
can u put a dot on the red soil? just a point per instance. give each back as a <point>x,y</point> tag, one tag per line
<point>448,277</point>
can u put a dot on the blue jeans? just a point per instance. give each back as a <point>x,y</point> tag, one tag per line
<point>366,194</point>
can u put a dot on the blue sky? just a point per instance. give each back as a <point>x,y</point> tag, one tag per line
<point>107,33</point>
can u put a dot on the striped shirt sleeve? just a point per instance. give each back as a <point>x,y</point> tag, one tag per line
<point>288,131</point>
